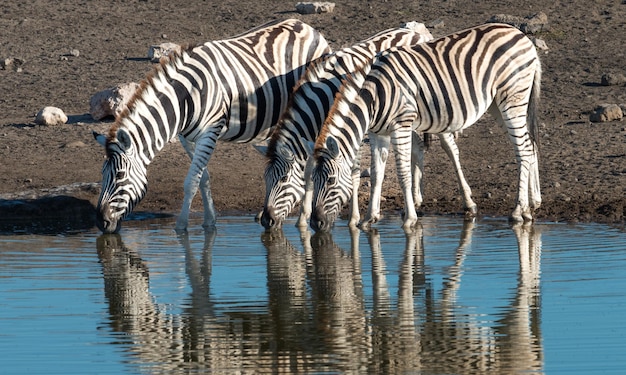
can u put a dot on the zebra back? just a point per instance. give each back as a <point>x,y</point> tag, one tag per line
<point>241,84</point>
<point>446,84</point>
<point>314,93</point>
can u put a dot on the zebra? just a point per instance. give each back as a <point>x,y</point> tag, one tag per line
<point>441,86</point>
<point>232,90</point>
<point>287,168</point>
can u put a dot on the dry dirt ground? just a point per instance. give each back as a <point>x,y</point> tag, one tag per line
<point>582,164</point>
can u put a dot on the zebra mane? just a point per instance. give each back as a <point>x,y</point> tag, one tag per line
<point>313,71</point>
<point>159,69</point>
<point>346,95</point>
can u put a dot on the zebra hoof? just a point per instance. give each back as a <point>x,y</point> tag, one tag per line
<point>471,212</point>
<point>527,216</point>
<point>409,225</point>
<point>516,216</point>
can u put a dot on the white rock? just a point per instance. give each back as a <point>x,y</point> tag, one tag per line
<point>419,28</point>
<point>112,101</point>
<point>314,7</point>
<point>540,44</point>
<point>155,52</point>
<point>50,116</point>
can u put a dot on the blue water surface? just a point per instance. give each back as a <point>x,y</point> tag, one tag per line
<point>451,297</point>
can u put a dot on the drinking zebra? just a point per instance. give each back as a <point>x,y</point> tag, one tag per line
<point>287,171</point>
<point>231,90</point>
<point>441,86</point>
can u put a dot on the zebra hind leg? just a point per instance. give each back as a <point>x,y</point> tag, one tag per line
<point>449,146</point>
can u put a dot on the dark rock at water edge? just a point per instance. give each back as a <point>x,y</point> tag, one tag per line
<point>60,214</point>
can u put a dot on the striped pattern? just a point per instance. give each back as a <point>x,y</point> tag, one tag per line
<point>288,148</point>
<point>442,86</point>
<point>231,90</point>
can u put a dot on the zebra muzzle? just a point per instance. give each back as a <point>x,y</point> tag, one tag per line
<point>105,221</point>
<point>269,219</point>
<point>320,221</point>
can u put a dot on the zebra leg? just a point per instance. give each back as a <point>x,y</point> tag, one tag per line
<point>379,146</point>
<point>514,121</point>
<point>197,176</point>
<point>535,189</point>
<point>451,149</point>
<point>417,160</point>
<point>355,216</point>
<point>401,140</point>
<point>307,202</point>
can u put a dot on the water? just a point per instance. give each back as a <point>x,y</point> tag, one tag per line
<point>451,298</point>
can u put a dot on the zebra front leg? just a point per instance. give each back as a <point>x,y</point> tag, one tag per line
<point>379,146</point>
<point>401,140</point>
<point>197,176</point>
<point>449,146</point>
<point>355,216</point>
<point>307,202</point>
<point>417,161</point>
<point>210,216</point>
<point>192,182</point>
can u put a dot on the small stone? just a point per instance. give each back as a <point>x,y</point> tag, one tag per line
<point>314,7</point>
<point>437,24</point>
<point>540,44</point>
<point>606,113</point>
<point>528,25</point>
<point>156,52</point>
<point>12,63</point>
<point>419,28</point>
<point>74,52</point>
<point>50,116</point>
<point>612,79</point>
<point>75,144</point>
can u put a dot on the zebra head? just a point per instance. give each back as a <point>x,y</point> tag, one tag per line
<point>332,181</point>
<point>284,184</point>
<point>124,181</point>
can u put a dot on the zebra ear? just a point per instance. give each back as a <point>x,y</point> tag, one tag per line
<point>286,152</point>
<point>262,149</point>
<point>100,138</point>
<point>332,146</point>
<point>124,139</point>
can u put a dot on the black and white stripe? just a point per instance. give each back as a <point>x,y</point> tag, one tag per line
<point>287,151</point>
<point>232,90</point>
<point>441,86</point>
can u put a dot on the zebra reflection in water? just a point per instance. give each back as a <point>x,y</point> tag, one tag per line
<point>320,314</point>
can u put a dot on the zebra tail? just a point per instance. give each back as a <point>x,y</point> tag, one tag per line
<point>533,107</point>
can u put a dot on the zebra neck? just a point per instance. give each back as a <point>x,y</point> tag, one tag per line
<point>147,139</point>
<point>169,102</point>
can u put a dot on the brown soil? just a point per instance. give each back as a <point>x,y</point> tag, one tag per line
<point>582,165</point>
